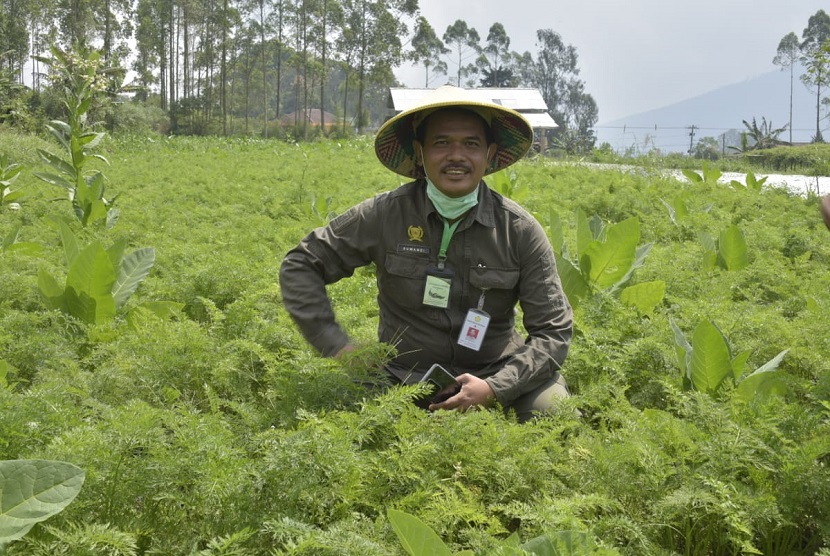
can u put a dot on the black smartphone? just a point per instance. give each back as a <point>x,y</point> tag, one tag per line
<point>443,383</point>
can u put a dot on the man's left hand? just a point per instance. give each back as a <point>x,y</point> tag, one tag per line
<point>474,391</point>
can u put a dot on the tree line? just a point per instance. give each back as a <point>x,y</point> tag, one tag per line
<point>264,66</point>
<point>811,53</point>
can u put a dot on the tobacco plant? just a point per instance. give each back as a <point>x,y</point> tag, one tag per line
<point>728,251</point>
<point>707,365</point>
<point>83,81</point>
<point>419,539</point>
<point>32,491</point>
<point>99,281</point>
<point>752,184</point>
<point>605,260</point>
<point>9,172</point>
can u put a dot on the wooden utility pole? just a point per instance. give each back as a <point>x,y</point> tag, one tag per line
<point>691,138</point>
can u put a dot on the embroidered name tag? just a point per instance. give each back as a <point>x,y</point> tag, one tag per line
<point>413,249</point>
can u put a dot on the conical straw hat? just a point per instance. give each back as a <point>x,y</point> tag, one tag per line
<point>512,133</point>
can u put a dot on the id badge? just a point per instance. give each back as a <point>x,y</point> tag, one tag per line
<point>474,329</point>
<point>437,287</point>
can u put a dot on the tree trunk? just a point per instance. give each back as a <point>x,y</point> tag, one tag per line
<point>224,69</point>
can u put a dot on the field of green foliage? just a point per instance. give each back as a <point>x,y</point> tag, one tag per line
<point>206,426</point>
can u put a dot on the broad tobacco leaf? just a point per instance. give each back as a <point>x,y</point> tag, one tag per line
<point>417,538</point>
<point>710,362</point>
<point>764,381</point>
<point>644,296</point>
<point>608,262</point>
<point>32,491</point>
<point>560,543</point>
<point>557,238</point>
<point>88,294</point>
<point>134,269</point>
<point>732,252</point>
<point>573,283</point>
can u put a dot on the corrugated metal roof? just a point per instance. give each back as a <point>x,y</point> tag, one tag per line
<point>540,120</point>
<point>528,102</point>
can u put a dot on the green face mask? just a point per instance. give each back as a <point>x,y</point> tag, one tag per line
<point>451,207</point>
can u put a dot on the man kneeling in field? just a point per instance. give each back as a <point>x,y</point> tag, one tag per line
<point>453,259</point>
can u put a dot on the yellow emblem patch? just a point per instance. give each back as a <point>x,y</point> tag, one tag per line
<point>416,233</point>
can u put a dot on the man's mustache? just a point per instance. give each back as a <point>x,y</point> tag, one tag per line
<point>462,167</point>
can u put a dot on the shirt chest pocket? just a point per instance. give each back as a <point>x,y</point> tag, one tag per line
<point>499,286</point>
<point>404,279</point>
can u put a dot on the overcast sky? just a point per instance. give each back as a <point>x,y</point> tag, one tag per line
<point>637,55</point>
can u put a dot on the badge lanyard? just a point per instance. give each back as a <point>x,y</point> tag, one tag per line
<point>437,294</point>
<point>439,278</point>
<point>475,325</point>
<point>449,230</point>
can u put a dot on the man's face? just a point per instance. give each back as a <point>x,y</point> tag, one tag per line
<point>455,151</point>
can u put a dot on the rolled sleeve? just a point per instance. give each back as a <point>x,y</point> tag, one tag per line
<point>547,318</point>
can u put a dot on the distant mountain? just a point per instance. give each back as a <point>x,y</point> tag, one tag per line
<point>715,113</point>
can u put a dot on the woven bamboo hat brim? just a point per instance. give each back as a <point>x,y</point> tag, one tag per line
<point>512,133</point>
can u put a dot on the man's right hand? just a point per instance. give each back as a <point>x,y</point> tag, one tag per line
<point>348,348</point>
<point>474,392</point>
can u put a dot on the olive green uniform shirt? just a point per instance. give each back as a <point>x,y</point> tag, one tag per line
<point>498,249</point>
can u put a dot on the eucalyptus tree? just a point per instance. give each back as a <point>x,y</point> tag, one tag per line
<point>14,36</point>
<point>495,58</point>
<point>146,53</point>
<point>151,52</point>
<point>281,13</point>
<point>789,52</point>
<point>258,18</point>
<point>301,35</point>
<point>524,69</point>
<point>557,79</point>
<point>814,37</point>
<point>228,20</point>
<point>246,55</point>
<point>347,47</point>
<point>329,17</point>
<point>376,27</point>
<point>42,34</point>
<point>76,21</point>
<point>466,48</point>
<point>556,65</point>
<point>427,49</point>
<point>115,18</point>
<point>817,66</point>
<point>580,114</point>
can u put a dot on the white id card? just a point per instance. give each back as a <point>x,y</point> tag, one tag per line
<point>474,329</point>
